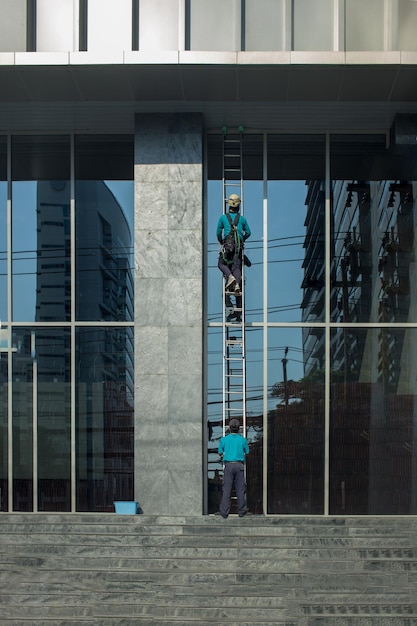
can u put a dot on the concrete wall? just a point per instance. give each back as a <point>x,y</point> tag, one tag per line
<point>168,313</point>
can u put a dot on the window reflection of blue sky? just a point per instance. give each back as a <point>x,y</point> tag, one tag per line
<point>24,245</point>
<point>3,250</point>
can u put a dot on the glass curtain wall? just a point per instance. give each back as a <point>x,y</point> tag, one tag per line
<point>67,433</point>
<point>331,320</point>
<point>302,25</point>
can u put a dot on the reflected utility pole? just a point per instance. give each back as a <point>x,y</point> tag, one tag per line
<point>284,369</point>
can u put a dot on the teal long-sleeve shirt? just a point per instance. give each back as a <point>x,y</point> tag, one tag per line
<point>223,227</point>
<point>233,447</point>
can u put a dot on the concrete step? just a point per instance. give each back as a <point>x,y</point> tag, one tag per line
<point>114,569</point>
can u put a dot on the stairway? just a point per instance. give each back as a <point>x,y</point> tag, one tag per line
<point>108,570</point>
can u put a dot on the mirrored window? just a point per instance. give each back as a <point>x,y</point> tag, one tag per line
<point>54,25</point>
<point>373,417</point>
<point>373,198</point>
<point>41,366</point>
<point>365,24</point>
<point>159,25</point>
<point>3,230</point>
<point>104,228</point>
<point>296,228</point>
<point>4,435</point>
<point>109,25</point>
<point>215,25</point>
<point>313,25</point>
<point>41,228</point>
<point>295,421</point>
<point>407,20</point>
<point>104,417</point>
<point>265,25</point>
<point>13,25</point>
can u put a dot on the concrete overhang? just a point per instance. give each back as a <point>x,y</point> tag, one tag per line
<point>230,77</point>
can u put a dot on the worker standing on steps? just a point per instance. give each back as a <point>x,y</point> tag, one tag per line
<point>232,231</point>
<point>233,449</point>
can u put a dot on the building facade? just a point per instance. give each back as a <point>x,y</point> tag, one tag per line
<point>113,119</point>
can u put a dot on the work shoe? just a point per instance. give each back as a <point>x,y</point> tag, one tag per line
<point>223,516</point>
<point>245,513</point>
<point>230,281</point>
<point>237,289</point>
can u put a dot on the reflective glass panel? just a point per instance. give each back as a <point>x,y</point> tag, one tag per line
<point>373,202</point>
<point>265,27</point>
<point>109,25</point>
<point>41,228</point>
<point>254,419</point>
<point>13,25</point>
<point>41,365</point>
<point>23,380</point>
<point>364,24</point>
<point>313,24</point>
<point>296,245</point>
<point>214,417</point>
<point>54,25</point>
<point>104,417</point>
<point>159,25</point>
<point>407,21</point>
<point>3,229</point>
<point>373,421</point>
<point>4,454</point>
<point>215,25</point>
<point>295,421</point>
<point>104,227</point>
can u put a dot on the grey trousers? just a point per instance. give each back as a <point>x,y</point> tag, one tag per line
<point>233,475</point>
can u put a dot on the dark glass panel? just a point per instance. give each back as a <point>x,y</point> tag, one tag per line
<point>214,417</point>
<point>53,348</point>
<point>3,229</point>
<point>295,422</point>
<point>373,422</point>
<point>41,228</point>
<point>23,375</point>
<point>104,417</point>
<point>296,228</point>
<point>41,368</point>
<point>4,452</point>
<point>373,248</point>
<point>104,228</point>
<point>254,419</point>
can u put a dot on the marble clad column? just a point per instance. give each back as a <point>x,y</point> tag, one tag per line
<point>168,313</point>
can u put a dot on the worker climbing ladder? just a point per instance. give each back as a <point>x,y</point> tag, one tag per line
<point>234,356</point>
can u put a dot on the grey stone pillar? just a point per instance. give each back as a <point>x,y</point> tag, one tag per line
<point>168,313</point>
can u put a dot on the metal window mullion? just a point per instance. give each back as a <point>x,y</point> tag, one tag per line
<point>73,363</point>
<point>265,328</point>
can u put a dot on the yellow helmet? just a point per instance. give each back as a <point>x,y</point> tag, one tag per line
<point>233,200</point>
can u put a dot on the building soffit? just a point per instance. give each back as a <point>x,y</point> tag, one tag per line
<point>209,77</point>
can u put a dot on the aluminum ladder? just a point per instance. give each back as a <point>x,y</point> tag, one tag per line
<point>234,355</point>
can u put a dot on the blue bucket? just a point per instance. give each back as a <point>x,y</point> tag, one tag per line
<point>126,508</point>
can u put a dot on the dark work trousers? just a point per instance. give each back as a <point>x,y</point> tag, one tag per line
<point>234,268</point>
<point>233,475</point>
